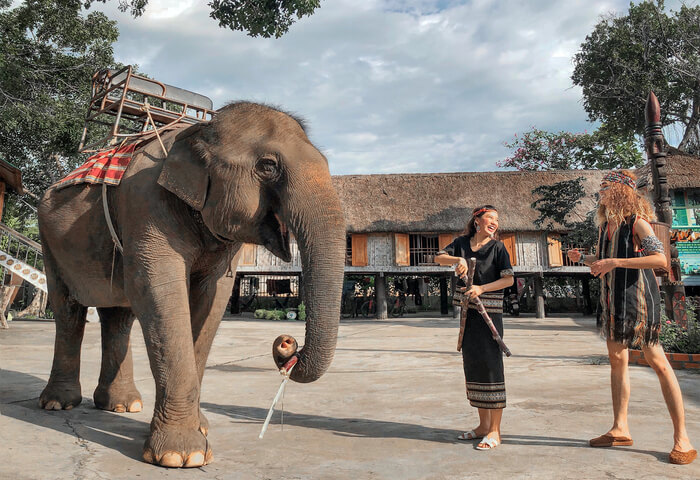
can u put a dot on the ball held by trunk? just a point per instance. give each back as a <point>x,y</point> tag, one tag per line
<point>283,348</point>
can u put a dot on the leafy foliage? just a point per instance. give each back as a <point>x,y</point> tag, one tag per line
<point>678,339</point>
<point>265,18</point>
<point>538,150</point>
<point>627,56</point>
<point>542,150</point>
<point>557,201</point>
<point>48,53</point>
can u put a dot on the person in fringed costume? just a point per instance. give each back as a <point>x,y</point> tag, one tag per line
<point>630,311</point>
<point>481,355</point>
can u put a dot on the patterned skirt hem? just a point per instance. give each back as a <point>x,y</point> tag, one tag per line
<point>631,342</point>
<point>486,405</point>
<point>486,395</point>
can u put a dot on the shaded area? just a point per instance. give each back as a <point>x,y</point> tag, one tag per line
<point>115,431</point>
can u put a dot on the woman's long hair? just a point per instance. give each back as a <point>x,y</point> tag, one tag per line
<point>622,201</point>
<point>470,229</point>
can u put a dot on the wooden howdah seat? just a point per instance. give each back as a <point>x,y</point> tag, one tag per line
<point>126,105</point>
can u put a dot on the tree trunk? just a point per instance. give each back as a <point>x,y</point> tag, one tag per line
<point>5,293</point>
<point>691,129</point>
<point>34,308</point>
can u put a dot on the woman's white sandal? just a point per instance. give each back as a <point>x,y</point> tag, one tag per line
<point>470,435</point>
<point>491,442</point>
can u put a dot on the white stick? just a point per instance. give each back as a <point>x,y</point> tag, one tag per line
<point>274,402</point>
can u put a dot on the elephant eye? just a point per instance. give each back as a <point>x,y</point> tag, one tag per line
<point>267,168</point>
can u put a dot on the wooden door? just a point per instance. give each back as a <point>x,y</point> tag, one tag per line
<point>359,250</point>
<point>248,255</point>
<point>444,239</point>
<point>508,240</point>
<point>556,258</point>
<point>402,249</point>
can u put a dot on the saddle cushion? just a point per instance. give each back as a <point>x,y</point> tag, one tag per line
<point>106,166</point>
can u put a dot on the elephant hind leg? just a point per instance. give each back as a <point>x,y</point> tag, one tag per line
<point>63,389</point>
<point>116,390</point>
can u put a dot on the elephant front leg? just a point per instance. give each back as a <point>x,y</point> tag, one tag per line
<point>116,390</point>
<point>208,300</point>
<point>161,305</point>
<point>63,389</point>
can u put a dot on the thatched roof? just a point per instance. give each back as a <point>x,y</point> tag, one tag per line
<point>683,171</point>
<point>443,202</point>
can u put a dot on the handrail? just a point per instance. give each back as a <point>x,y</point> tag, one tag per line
<point>18,236</point>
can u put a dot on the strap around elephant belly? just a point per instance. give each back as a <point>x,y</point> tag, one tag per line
<point>108,217</point>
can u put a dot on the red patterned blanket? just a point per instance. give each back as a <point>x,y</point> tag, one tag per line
<point>107,166</point>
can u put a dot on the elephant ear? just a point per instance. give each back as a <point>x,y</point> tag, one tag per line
<point>185,172</point>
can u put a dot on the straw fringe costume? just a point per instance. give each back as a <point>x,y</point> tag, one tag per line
<point>481,355</point>
<point>630,302</point>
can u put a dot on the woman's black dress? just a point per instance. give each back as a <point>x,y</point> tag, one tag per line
<point>630,302</point>
<point>482,357</point>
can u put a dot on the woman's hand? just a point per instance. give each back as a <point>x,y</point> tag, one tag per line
<point>574,255</point>
<point>461,268</point>
<point>474,291</point>
<point>601,267</point>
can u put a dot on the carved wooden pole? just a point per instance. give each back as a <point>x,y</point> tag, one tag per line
<point>671,285</point>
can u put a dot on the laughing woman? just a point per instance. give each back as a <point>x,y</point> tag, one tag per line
<point>628,251</point>
<point>482,357</point>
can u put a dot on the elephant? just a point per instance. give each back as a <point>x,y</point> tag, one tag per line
<point>249,175</point>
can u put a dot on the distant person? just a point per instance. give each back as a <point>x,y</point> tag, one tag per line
<point>481,355</point>
<point>630,315</point>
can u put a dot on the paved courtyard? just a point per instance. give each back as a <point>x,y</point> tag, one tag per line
<point>390,407</point>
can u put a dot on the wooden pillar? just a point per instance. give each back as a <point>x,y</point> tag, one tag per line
<point>672,287</point>
<point>456,309</point>
<point>443,296</point>
<point>380,292</point>
<point>235,296</point>
<point>587,303</point>
<point>539,296</point>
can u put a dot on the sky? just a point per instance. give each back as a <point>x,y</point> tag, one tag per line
<point>386,86</point>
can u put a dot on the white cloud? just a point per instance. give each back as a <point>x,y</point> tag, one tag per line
<point>386,85</point>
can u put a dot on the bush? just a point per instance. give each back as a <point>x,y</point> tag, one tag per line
<point>678,339</point>
<point>271,314</point>
<point>302,312</point>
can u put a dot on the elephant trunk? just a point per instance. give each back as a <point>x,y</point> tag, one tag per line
<point>319,227</point>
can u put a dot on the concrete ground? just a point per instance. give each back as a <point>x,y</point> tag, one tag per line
<point>390,407</point>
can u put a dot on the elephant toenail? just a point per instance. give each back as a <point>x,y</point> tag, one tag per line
<point>195,459</point>
<point>148,456</point>
<point>68,407</point>
<point>135,406</point>
<point>171,459</point>
<point>120,408</point>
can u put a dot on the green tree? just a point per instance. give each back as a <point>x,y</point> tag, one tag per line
<point>265,18</point>
<point>542,150</point>
<point>626,56</point>
<point>48,52</point>
<point>538,150</point>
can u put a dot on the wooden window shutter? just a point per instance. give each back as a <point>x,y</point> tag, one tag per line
<point>444,239</point>
<point>248,255</point>
<point>359,250</point>
<point>556,258</point>
<point>402,249</point>
<point>508,240</point>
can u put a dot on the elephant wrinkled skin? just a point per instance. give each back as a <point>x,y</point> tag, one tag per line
<point>246,176</point>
